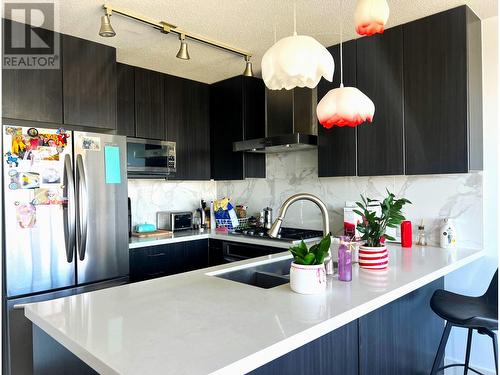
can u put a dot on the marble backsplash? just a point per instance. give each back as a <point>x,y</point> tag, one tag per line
<point>150,196</point>
<point>434,197</point>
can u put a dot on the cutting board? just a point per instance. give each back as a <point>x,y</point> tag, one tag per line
<point>156,233</point>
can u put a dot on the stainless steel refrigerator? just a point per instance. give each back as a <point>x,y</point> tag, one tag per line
<point>65,223</point>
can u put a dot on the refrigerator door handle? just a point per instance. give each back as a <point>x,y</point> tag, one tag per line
<point>83,205</point>
<point>69,211</point>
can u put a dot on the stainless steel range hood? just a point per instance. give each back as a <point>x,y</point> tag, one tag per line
<point>291,123</point>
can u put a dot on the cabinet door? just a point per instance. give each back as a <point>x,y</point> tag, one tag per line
<point>32,94</point>
<point>125,119</point>
<point>380,77</point>
<point>89,83</point>
<point>195,255</point>
<point>149,262</point>
<point>226,122</point>
<point>401,337</point>
<point>215,253</point>
<point>254,107</point>
<point>187,123</point>
<point>337,146</point>
<point>435,92</point>
<point>149,104</point>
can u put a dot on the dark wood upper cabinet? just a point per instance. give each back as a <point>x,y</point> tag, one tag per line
<point>237,112</point>
<point>89,83</point>
<point>187,123</point>
<point>442,93</point>
<point>380,76</point>
<point>125,117</point>
<point>149,104</point>
<point>337,146</point>
<point>32,94</point>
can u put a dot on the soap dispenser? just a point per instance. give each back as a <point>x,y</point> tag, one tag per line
<point>448,235</point>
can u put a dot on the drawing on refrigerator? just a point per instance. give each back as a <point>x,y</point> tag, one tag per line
<point>65,224</point>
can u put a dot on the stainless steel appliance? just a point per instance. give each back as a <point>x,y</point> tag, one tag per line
<point>291,123</point>
<point>174,221</point>
<point>148,158</point>
<point>65,210</point>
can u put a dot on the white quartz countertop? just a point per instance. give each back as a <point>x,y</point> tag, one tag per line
<point>191,235</point>
<point>196,323</point>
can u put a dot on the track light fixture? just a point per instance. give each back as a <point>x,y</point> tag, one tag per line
<point>248,72</point>
<point>167,28</point>
<point>106,30</point>
<point>183,53</point>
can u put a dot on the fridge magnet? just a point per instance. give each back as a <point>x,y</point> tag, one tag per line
<point>91,143</point>
<point>45,153</point>
<point>32,132</point>
<point>62,137</point>
<point>112,164</point>
<point>12,159</point>
<point>10,130</point>
<point>26,215</point>
<point>29,180</point>
<point>14,179</point>
<point>51,176</point>
<point>18,146</point>
<point>47,197</point>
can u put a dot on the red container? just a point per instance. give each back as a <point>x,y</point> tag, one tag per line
<point>406,235</point>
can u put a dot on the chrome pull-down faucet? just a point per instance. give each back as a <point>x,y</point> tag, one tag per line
<point>274,231</point>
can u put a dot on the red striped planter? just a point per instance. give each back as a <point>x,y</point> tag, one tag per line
<point>373,258</point>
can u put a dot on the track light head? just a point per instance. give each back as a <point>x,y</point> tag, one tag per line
<point>183,53</point>
<point>106,30</point>
<point>248,72</point>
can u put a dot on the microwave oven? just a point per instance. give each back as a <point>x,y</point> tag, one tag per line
<point>147,158</point>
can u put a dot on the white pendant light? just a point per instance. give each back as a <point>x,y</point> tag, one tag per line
<point>371,16</point>
<point>296,61</point>
<point>344,106</point>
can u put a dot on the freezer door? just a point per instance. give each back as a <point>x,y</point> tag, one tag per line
<point>37,202</point>
<point>102,217</point>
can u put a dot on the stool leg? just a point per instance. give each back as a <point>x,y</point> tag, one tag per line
<point>442,346</point>
<point>495,351</point>
<point>467,353</point>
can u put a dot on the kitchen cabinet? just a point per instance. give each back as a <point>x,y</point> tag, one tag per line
<point>163,260</point>
<point>149,104</point>
<point>237,112</point>
<point>337,146</point>
<point>379,75</point>
<point>401,337</point>
<point>215,252</point>
<point>442,93</point>
<point>125,117</point>
<point>32,94</point>
<point>187,123</point>
<point>89,83</point>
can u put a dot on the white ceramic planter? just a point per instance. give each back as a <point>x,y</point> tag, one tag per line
<point>373,258</point>
<point>307,279</point>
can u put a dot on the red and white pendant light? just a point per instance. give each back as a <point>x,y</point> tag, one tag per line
<point>296,61</point>
<point>371,16</point>
<point>344,106</point>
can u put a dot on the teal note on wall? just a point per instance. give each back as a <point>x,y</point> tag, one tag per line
<point>112,164</point>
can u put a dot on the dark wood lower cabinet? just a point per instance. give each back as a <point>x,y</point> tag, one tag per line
<point>163,260</point>
<point>399,338</point>
<point>334,353</point>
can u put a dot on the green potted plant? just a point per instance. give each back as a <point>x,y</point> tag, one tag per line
<point>373,253</point>
<point>307,271</point>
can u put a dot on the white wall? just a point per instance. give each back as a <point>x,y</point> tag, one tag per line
<point>474,279</point>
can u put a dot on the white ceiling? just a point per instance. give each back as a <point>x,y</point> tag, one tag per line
<point>247,24</point>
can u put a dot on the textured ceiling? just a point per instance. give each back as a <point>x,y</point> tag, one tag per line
<point>248,24</point>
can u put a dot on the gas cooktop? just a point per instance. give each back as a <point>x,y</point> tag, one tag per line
<point>285,234</point>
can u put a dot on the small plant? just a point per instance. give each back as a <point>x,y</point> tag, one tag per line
<point>373,227</point>
<point>314,255</point>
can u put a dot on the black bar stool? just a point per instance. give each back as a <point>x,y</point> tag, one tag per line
<point>473,313</point>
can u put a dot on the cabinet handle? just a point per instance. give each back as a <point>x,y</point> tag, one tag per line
<point>156,255</point>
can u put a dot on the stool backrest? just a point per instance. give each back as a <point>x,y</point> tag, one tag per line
<point>491,294</point>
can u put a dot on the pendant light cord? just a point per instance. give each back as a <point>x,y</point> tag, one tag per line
<point>294,18</point>
<point>341,62</point>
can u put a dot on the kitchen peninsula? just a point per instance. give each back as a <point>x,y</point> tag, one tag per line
<point>197,323</point>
